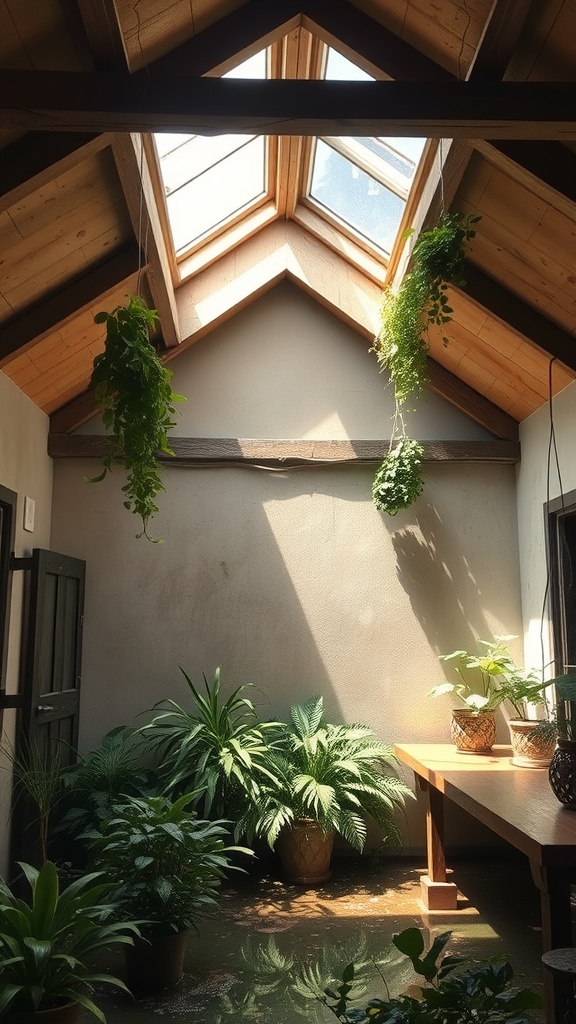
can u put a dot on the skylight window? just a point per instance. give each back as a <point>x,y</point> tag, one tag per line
<point>363,183</point>
<point>209,181</point>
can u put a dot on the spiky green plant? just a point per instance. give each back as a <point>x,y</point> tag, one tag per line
<point>38,775</point>
<point>215,747</point>
<point>336,775</point>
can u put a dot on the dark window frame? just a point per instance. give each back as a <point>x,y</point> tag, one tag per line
<point>8,501</point>
<point>557,513</point>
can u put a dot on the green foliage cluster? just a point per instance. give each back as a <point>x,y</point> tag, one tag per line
<point>332,774</point>
<point>437,261</point>
<point>164,863</point>
<point>47,945</point>
<point>401,346</point>
<point>398,481</point>
<point>454,993</point>
<point>133,389</point>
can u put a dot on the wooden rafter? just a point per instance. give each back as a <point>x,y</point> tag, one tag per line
<point>60,100</point>
<point>518,315</point>
<point>134,173</point>
<point>548,169</point>
<point>190,451</point>
<point>499,39</point>
<point>63,305</point>
<point>103,33</point>
<point>39,157</point>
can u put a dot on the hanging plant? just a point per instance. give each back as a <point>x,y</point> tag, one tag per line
<point>421,300</point>
<point>132,387</point>
<point>398,481</point>
<point>402,349</point>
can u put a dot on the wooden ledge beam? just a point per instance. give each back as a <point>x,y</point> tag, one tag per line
<point>36,159</point>
<point>62,306</point>
<point>521,317</point>
<point>72,101</point>
<point>190,451</point>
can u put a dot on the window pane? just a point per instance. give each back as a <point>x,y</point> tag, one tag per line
<point>196,155</point>
<point>207,201</point>
<point>362,202</point>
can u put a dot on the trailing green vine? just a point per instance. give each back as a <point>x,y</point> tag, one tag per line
<point>132,387</point>
<point>402,348</point>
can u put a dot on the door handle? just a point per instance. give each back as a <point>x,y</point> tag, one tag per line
<point>45,707</point>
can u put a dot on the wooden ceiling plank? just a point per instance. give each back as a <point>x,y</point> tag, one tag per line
<point>520,317</point>
<point>63,305</point>
<point>232,39</point>
<point>36,159</point>
<point>499,40</point>
<point>135,178</point>
<point>59,100</point>
<point>368,43</point>
<point>284,451</point>
<point>548,169</point>
<point>463,397</point>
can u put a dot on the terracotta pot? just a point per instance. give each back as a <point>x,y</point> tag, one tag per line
<point>68,1014</point>
<point>156,962</point>
<point>562,773</point>
<point>529,749</point>
<point>305,851</point>
<point>473,732</point>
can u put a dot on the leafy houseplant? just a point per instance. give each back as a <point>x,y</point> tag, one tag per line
<point>133,389</point>
<point>38,779</point>
<point>165,866</point>
<point>321,778</point>
<point>454,992</point>
<point>214,749</point>
<point>401,347</point>
<point>46,945</point>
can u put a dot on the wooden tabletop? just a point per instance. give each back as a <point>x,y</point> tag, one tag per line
<point>516,803</point>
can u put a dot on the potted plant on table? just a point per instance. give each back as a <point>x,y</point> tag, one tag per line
<point>473,727</point>
<point>165,865</point>
<point>320,779</point>
<point>46,946</point>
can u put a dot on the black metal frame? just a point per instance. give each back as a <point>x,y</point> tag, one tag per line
<point>8,501</point>
<point>556,513</point>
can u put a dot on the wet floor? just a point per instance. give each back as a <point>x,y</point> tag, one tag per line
<point>272,947</point>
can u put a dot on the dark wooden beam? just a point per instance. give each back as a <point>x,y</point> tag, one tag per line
<point>517,314</point>
<point>103,33</point>
<point>459,394</point>
<point>232,39</point>
<point>499,39</point>
<point>548,169</point>
<point>62,306</point>
<point>342,25</point>
<point>189,451</point>
<point>37,158</point>
<point>73,101</point>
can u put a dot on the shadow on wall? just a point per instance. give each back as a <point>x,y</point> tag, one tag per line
<point>429,563</point>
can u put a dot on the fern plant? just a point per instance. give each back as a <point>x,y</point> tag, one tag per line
<point>132,387</point>
<point>401,346</point>
<point>333,774</point>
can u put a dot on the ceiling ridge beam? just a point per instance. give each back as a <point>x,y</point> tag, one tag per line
<point>382,52</point>
<point>28,328</point>
<point>236,36</point>
<point>282,452</point>
<point>122,103</point>
<point>39,157</point>
<point>519,316</point>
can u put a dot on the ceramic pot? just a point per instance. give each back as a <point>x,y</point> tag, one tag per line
<point>473,732</point>
<point>69,1013</point>
<point>305,851</point>
<point>529,748</point>
<point>156,962</point>
<point>562,773</point>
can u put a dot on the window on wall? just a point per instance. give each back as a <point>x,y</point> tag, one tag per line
<point>7,531</point>
<point>561,516</point>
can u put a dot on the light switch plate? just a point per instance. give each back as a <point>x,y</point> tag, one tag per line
<point>29,514</point>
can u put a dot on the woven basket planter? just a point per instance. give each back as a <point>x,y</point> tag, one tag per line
<point>473,732</point>
<point>305,852</point>
<point>529,749</point>
<point>562,773</point>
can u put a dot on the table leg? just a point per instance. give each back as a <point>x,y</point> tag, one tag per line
<point>554,886</point>
<point>436,892</point>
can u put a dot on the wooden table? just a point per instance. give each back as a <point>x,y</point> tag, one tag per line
<point>517,804</point>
